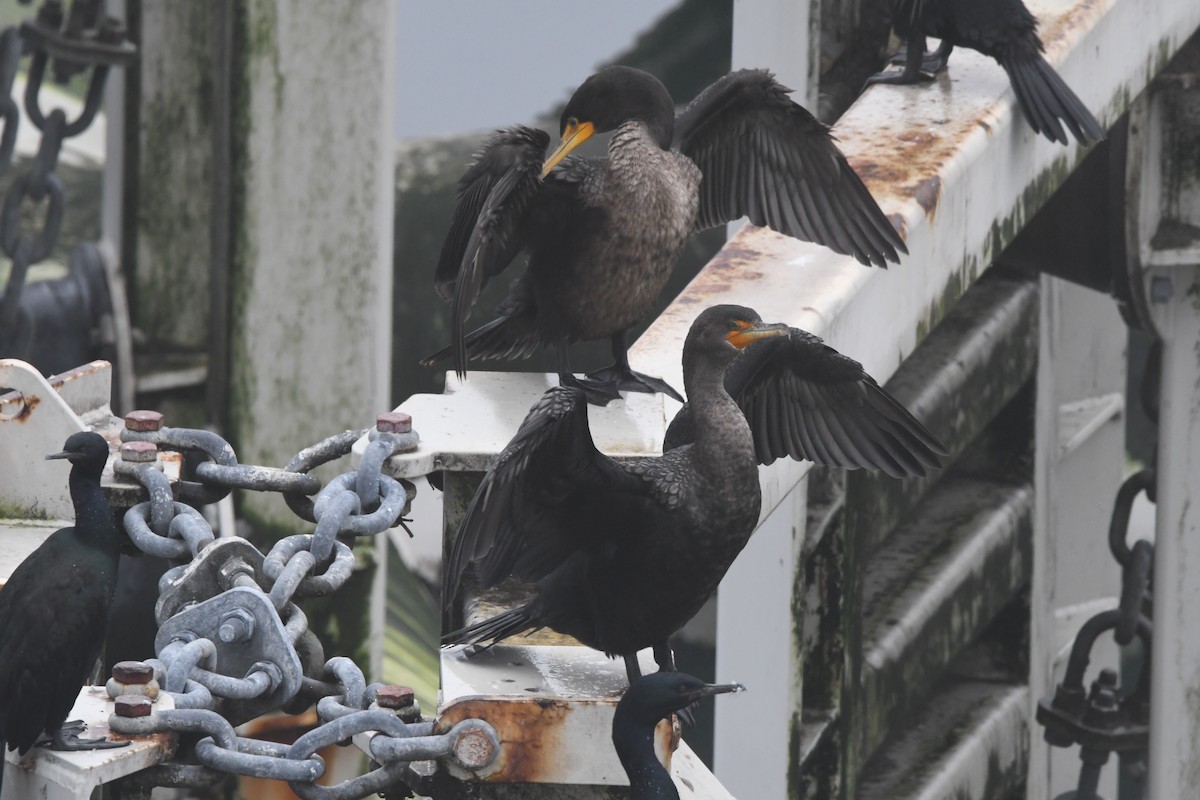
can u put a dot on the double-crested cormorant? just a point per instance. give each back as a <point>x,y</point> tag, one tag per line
<point>603,234</point>
<point>54,612</point>
<point>646,701</point>
<point>1006,31</point>
<point>622,553</point>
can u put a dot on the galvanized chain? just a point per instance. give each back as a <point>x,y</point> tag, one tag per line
<point>232,642</point>
<point>84,42</point>
<point>1101,721</point>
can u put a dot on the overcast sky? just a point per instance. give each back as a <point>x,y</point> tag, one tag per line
<point>466,65</point>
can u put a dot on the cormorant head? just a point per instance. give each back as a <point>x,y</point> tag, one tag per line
<point>85,450</point>
<point>656,696</point>
<point>613,96</point>
<point>725,329</point>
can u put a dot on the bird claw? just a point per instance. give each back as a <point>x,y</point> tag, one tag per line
<point>67,739</point>
<point>899,78</point>
<point>627,380</point>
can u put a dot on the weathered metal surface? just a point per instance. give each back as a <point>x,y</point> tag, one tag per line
<point>551,706</point>
<point>1164,252</point>
<point>55,775</point>
<point>984,758</point>
<point>464,429</point>
<point>942,577</point>
<point>956,381</point>
<point>36,418</point>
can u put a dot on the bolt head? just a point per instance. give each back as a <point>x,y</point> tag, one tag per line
<point>474,749</point>
<point>139,452</point>
<point>137,672</point>
<point>394,697</point>
<point>394,422</point>
<point>133,705</point>
<point>143,421</point>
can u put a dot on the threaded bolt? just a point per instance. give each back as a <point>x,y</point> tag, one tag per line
<point>133,672</point>
<point>394,422</point>
<point>139,452</point>
<point>237,625</point>
<point>133,705</point>
<point>143,421</point>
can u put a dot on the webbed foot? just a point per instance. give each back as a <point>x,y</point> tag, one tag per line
<point>597,392</point>
<point>627,380</point>
<point>67,738</point>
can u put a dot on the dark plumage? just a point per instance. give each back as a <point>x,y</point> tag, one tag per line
<point>54,611</point>
<point>648,700</point>
<point>603,234</point>
<point>1005,31</point>
<point>805,400</point>
<point>622,553</point>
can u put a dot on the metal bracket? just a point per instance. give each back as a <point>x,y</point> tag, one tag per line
<point>218,620</point>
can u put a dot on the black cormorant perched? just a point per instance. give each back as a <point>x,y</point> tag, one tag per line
<point>54,612</point>
<point>1006,31</point>
<point>646,701</point>
<point>622,553</point>
<point>603,234</point>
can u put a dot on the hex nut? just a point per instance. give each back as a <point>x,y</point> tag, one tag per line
<point>133,705</point>
<point>139,452</point>
<point>394,422</point>
<point>394,697</point>
<point>474,749</point>
<point>143,421</point>
<point>135,672</point>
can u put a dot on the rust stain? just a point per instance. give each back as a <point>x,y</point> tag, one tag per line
<point>163,743</point>
<point>32,401</point>
<point>900,224</point>
<point>528,729</point>
<point>928,192</point>
<point>1054,31</point>
<point>78,372</point>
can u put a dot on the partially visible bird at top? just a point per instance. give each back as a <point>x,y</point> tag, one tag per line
<point>645,702</point>
<point>603,234</point>
<point>54,613</point>
<point>621,554</point>
<point>1006,31</point>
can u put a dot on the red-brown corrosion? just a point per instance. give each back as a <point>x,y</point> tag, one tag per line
<point>1053,31</point>
<point>528,729</point>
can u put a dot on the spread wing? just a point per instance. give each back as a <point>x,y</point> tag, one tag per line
<point>487,231</point>
<point>766,158</point>
<point>805,400</point>
<point>534,508</point>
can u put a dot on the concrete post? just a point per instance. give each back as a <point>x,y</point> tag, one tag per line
<point>311,235</point>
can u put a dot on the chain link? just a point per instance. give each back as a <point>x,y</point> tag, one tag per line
<point>86,43</point>
<point>232,642</point>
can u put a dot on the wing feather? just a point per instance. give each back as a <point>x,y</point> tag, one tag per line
<point>802,399</point>
<point>488,228</point>
<point>522,521</point>
<point>766,158</point>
